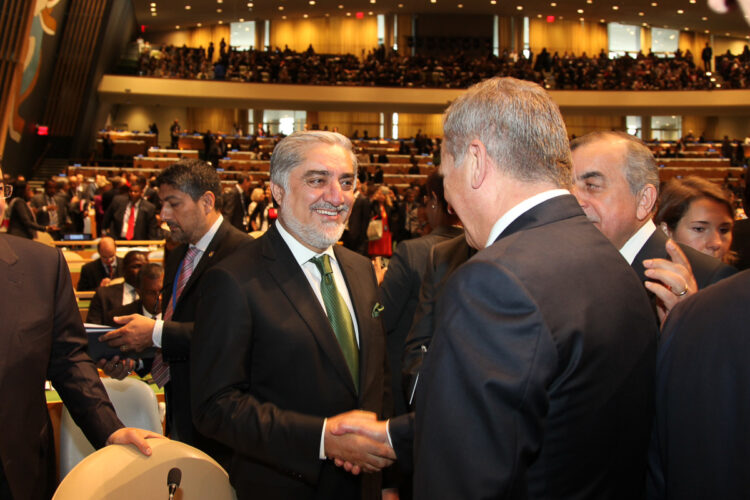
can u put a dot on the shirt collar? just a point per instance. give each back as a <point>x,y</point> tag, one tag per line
<point>631,247</point>
<point>301,253</point>
<point>205,240</point>
<point>521,208</point>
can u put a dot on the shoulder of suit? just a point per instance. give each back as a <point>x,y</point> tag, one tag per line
<point>24,247</point>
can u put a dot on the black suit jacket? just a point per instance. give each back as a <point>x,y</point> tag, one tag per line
<point>146,226</point>
<point>42,338</point>
<point>741,243</point>
<point>94,272</point>
<point>539,379</point>
<point>701,437</point>
<point>272,370</point>
<point>355,236</point>
<point>105,300</point>
<point>177,334</point>
<point>399,295</point>
<point>706,269</point>
<point>21,220</point>
<point>234,207</point>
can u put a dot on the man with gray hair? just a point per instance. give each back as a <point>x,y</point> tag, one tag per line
<point>288,339</point>
<point>617,185</point>
<point>539,378</point>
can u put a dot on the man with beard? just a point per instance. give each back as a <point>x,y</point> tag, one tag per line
<point>188,190</point>
<point>288,339</point>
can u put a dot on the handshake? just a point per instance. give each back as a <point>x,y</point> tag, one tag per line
<point>358,442</point>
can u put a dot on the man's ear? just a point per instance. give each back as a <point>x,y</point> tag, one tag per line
<point>646,201</point>
<point>663,226</point>
<point>478,163</point>
<point>207,201</point>
<point>277,192</point>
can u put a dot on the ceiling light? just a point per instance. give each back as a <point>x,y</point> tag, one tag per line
<point>580,19</point>
<point>221,22</point>
<point>177,27</point>
<point>602,21</point>
<point>305,16</point>
<point>680,11</point>
<point>460,6</point>
<point>219,1</point>
<point>654,4</point>
<point>519,7</point>
<point>341,6</point>
<point>400,6</point>
<point>707,32</point>
<point>373,1</point>
<point>728,34</point>
<point>348,14</point>
<point>641,14</point>
<point>250,4</point>
<point>560,17</point>
<point>539,16</point>
<point>553,4</point>
<point>589,1</point>
<point>281,7</point>
<point>153,4</point>
<point>153,13</point>
<point>199,24</point>
<point>644,24</point>
<point>580,11</point>
<point>283,17</point>
<point>493,2</point>
<point>615,7</point>
<point>187,7</point>
<point>433,1</point>
<point>692,1</point>
<point>219,11</point>
<point>704,18</point>
<point>242,19</point>
<point>328,15</point>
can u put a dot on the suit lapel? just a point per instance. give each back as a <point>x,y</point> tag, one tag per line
<point>294,284</point>
<point>206,259</point>
<point>11,278</point>
<point>552,210</point>
<point>655,247</point>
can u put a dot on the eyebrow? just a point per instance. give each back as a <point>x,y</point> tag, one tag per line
<point>591,174</point>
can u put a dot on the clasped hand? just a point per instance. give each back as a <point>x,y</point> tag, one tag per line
<point>357,441</point>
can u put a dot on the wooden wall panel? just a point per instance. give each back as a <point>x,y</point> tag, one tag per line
<point>579,125</point>
<point>219,120</point>
<point>570,36</point>
<point>328,35</point>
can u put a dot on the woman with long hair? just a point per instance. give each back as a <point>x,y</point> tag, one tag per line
<point>21,221</point>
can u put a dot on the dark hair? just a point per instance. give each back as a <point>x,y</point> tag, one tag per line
<point>19,190</point>
<point>193,177</point>
<point>678,194</point>
<point>131,256</point>
<point>434,185</point>
<point>150,271</point>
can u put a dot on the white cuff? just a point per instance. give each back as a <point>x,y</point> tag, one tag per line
<point>322,452</point>
<point>156,334</point>
<point>388,432</point>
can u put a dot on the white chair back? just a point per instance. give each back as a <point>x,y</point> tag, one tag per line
<point>135,404</point>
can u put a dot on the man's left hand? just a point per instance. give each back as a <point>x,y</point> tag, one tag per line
<point>137,437</point>
<point>136,335</point>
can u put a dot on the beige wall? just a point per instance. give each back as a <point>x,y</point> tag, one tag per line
<point>140,117</point>
<point>348,122</point>
<point>193,37</point>
<point>328,35</point>
<point>579,125</point>
<point>570,36</point>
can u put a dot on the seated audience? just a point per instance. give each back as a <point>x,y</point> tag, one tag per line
<point>100,271</point>
<point>107,298</point>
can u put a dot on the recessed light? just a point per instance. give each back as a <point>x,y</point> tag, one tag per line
<point>589,1</point>
<point>561,17</point>
<point>348,14</point>
<point>219,1</point>
<point>519,7</point>
<point>370,13</point>
<point>602,21</point>
<point>153,4</point>
<point>704,18</point>
<point>686,28</point>
<point>553,4</point>
<point>728,34</point>
<point>654,4</point>
<point>341,6</point>
<point>641,14</point>
<point>707,31</point>
<point>680,11</point>
<point>199,24</point>
<point>219,11</point>
<point>328,15</point>
<point>305,16</point>
<point>283,17</point>
<point>250,4</point>
<point>373,1</point>
<point>281,7</point>
<point>644,24</point>
<point>311,2</point>
<point>400,6</point>
<point>692,1</point>
<point>242,19</point>
<point>187,7</point>
<point>580,19</point>
<point>538,16</point>
<point>615,7</point>
<point>433,1</point>
<point>153,13</point>
<point>177,27</point>
<point>580,11</point>
<point>460,6</point>
<point>221,22</point>
<point>493,2</point>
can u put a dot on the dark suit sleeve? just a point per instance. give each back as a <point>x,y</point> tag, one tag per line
<point>175,340</point>
<point>96,309</point>
<point>223,408</point>
<point>484,388</point>
<point>396,288</point>
<point>72,372</point>
<point>721,272</point>
<point>87,279</point>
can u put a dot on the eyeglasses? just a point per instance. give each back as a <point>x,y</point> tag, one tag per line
<point>7,190</point>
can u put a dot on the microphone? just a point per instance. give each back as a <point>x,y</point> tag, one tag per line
<point>173,480</point>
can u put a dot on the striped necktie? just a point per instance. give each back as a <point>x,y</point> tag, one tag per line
<point>338,315</point>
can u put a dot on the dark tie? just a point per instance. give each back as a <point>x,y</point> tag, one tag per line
<point>338,315</point>
<point>160,368</point>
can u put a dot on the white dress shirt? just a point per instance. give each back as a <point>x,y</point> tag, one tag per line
<point>631,247</point>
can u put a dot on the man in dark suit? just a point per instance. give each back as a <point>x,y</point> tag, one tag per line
<point>539,378</point>
<point>235,202</point>
<point>288,340</point>
<point>100,271</point>
<point>131,217</point>
<point>188,190</point>
<point>701,439</point>
<point>107,298</point>
<point>43,339</point>
<point>355,235</point>
<point>616,183</point>
<point>149,285</point>
<point>51,209</point>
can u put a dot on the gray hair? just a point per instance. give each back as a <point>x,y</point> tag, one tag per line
<point>638,164</point>
<point>291,151</point>
<point>519,125</point>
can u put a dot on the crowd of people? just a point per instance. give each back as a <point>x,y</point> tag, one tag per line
<point>545,311</point>
<point>388,68</point>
